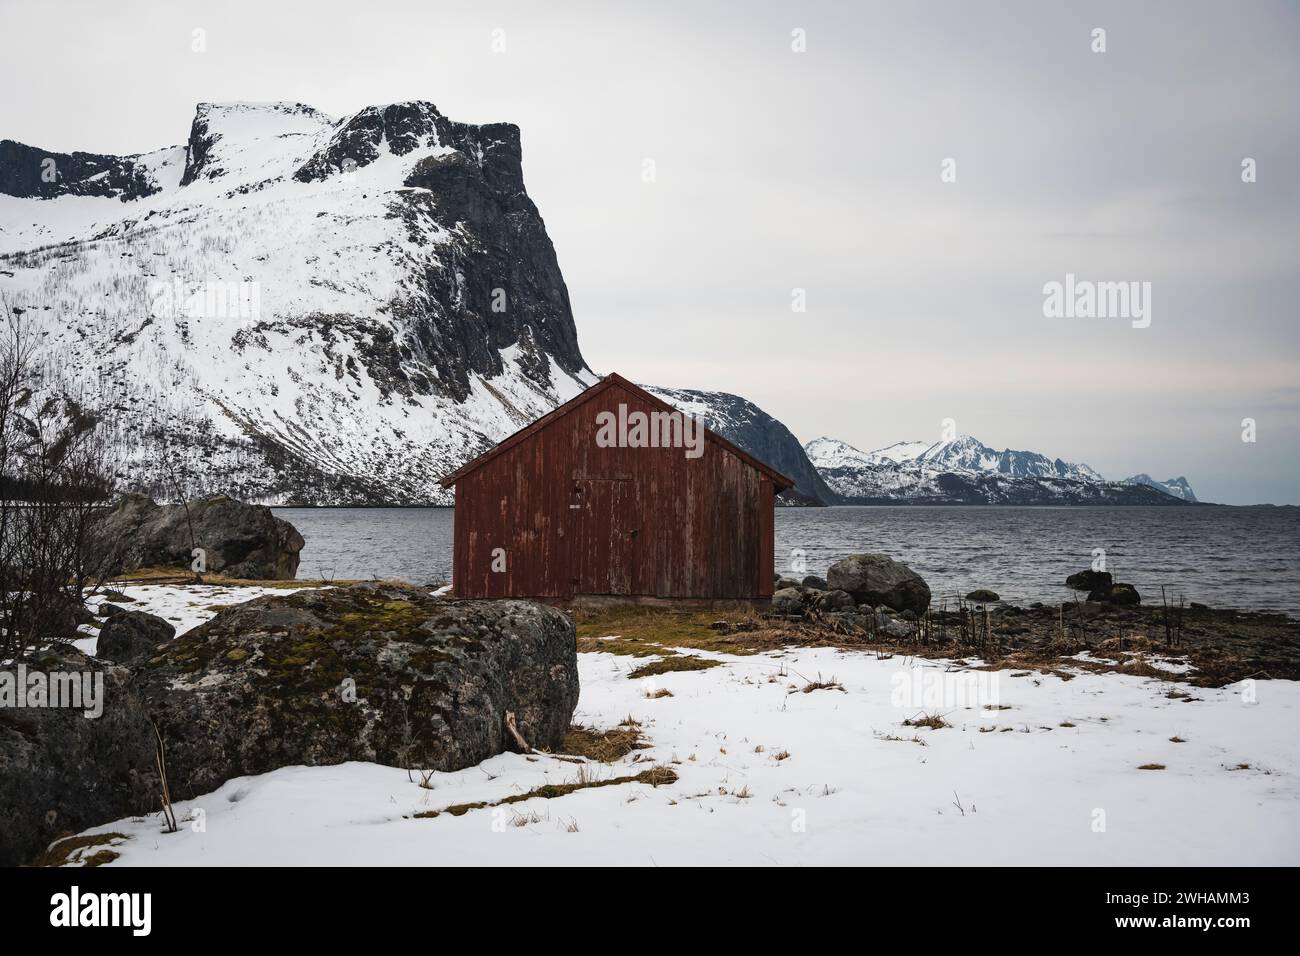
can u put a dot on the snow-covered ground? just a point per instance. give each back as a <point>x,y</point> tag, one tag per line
<point>185,606</point>
<point>1032,769</point>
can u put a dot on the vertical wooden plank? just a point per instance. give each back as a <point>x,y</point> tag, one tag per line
<point>766,520</point>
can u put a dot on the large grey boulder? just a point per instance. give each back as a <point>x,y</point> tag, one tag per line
<point>129,635</point>
<point>877,579</point>
<point>62,771</point>
<point>380,673</point>
<point>239,540</point>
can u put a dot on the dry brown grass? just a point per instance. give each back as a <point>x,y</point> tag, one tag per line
<point>933,721</point>
<point>657,776</point>
<point>641,631</point>
<point>73,849</point>
<point>673,663</point>
<point>820,684</point>
<point>605,746</point>
<point>644,631</point>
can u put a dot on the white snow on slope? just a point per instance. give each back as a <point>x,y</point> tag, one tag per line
<point>833,453</point>
<point>900,451</point>
<point>333,260</point>
<point>961,455</point>
<point>770,775</point>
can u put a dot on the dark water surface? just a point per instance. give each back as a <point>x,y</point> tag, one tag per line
<point>1239,557</point>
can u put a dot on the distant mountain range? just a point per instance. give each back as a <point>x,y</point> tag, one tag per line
<point>966,471</point>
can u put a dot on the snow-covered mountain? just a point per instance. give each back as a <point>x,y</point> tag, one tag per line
<point>969,454</point>
<point>965,471</point>
<point>291,306</point>
<point>1178,487</point>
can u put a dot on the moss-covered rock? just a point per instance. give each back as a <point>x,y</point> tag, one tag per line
<point>374,672</point>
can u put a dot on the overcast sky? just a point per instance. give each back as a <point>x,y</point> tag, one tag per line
<point>777,170</point>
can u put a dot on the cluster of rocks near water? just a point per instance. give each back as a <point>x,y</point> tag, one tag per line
<point>1221,645</point>
<point>1103,589</point>
<point>875,584</point>
<point>861,585</point>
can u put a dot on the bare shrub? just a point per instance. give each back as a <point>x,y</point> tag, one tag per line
<point>55,481</point>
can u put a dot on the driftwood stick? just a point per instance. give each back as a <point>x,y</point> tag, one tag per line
<point>165,795</point>
<point>514,732</point>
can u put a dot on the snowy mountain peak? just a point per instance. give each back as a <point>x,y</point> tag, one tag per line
<point>832,453</point>
<point>1178,487</point>
<point>252,113</point>
<point>241,141</point>
<point>966,453</point>
<point>962,451</point>
<point>320,310</point>
<point>358,140</point>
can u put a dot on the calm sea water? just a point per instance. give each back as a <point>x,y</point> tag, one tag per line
<point>1228,557</point>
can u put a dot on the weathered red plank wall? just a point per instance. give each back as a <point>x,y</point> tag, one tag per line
<point>575,518</point>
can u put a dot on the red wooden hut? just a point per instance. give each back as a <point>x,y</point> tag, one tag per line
<point>614,493</point>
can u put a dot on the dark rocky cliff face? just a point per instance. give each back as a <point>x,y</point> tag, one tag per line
<point>26,171</point>
<point>498,282</point>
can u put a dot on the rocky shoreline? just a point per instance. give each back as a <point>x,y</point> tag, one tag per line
<point>872,600</point>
